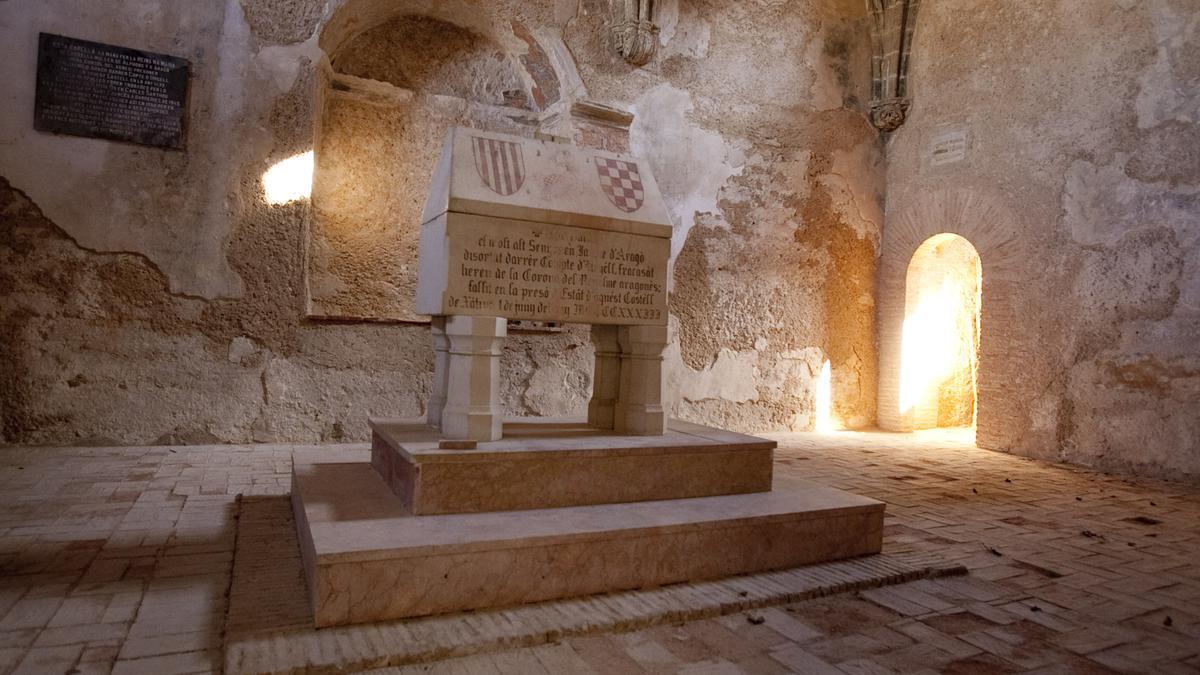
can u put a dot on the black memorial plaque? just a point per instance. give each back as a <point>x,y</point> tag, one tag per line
<point>103,91</point>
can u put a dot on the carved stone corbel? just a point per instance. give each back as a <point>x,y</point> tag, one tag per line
<point>633,33</point>
<point>892,25</point>
<point>890,114</point>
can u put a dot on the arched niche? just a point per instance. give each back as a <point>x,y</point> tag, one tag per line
<point>993,232</point>
<point>394,77</point>
<point>939,342</point>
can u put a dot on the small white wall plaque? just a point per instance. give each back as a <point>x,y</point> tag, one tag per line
<point>949,147</point>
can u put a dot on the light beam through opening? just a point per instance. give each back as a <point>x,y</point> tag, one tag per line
<point>940,335</point>
<point>289,180</point>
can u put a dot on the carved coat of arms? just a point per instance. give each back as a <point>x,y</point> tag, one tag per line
<point>622,183</point>
<point>500,164</point>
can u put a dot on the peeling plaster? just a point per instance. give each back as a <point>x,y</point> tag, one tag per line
<point>1102,204</point>
<point>826,92</point>
<point>691,164</point>
<point>1168,91</point>
<point>282,64</point>
<point>688,38</point>
<point>565,11</point>
<point>847,181</point>
<point>732,377</point>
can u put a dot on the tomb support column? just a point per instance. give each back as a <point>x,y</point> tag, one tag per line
<point>606,377</point>
<point>441,369</point>
<point>473,409</point>
<point>639,408</point>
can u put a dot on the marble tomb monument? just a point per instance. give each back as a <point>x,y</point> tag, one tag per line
<point>466,509</point>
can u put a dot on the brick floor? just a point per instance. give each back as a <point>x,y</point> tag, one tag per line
<point>119,560</point>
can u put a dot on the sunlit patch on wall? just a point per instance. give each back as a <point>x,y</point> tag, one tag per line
<point>824,402</point>
<point>289,180</point>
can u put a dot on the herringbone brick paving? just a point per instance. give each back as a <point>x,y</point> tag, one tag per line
<point>120,559</point>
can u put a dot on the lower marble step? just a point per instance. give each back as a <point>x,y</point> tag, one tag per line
<point>368,559</point>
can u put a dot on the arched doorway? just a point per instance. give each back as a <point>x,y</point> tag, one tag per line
<point>999,239</point>
<point>940,338</point>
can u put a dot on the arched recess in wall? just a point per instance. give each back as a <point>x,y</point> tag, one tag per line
<point>939,343</point>
<point>992,231</point>
<point>395,76</point>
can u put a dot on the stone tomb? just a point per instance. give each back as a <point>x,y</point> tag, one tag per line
<point>463,510</point>
<point>518,229</point>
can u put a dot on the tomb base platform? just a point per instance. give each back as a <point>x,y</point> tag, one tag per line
<point>368,558</point>
<point>544,463</point>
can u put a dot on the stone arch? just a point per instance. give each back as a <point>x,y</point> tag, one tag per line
<point>993,230</point>
<point>394,76</point>
<point>542,75</point>
<point>350,18</point>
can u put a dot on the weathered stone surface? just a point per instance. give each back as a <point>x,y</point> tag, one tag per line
<point>176,209</point>
<point>283,21</point>
<point>404,83</point>
<point>124,263</point>
<point>202,276</point>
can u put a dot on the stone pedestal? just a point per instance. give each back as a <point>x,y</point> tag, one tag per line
<point>639,410</point>
<point>473,410</point>
<point>465,403</point>
<point>441,371</point>
<point>606,377</point>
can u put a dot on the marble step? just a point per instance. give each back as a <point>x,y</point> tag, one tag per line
<point>551,463</point>
<point>367,558</point>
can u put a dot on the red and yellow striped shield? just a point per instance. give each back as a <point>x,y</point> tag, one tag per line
<point>500,164</point>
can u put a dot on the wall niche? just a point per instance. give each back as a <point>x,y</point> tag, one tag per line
<point>386,97</point>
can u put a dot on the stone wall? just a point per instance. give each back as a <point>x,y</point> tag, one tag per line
<point>1080,189</point>
<point>154,296</point>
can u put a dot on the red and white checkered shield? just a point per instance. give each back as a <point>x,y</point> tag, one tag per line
<point>622,183</point>
<point>500,164</point>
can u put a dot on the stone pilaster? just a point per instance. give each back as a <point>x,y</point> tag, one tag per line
<point>606,377</point>
<point>473,409</point>
<point>441,359</point>
<point>639,410</point>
